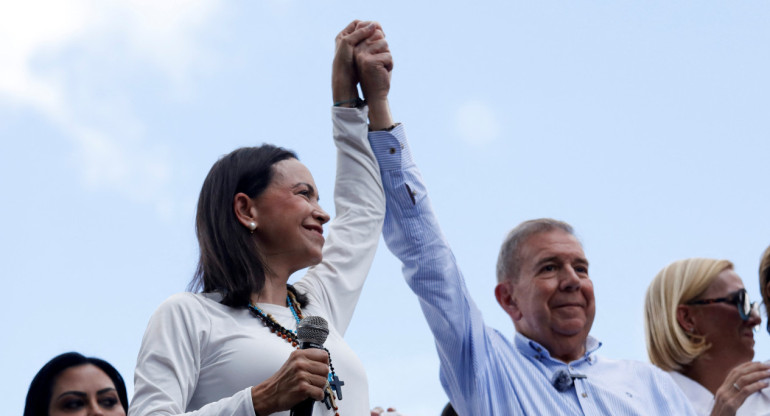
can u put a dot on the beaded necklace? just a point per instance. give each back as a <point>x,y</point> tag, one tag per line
<point>332,382</point>
<point>289,335</point>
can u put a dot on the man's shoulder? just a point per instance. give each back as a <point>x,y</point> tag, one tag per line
<point>644,382</point>
<point>632,368</point>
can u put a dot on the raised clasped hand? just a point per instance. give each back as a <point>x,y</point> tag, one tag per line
<point>374,64</point>
<point>344,74</point>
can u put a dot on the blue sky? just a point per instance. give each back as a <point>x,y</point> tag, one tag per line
<point>644,124</point>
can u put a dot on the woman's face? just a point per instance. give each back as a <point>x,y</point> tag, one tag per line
<point>289,220</point>
<point>84,390</point>
<point>721,323</point>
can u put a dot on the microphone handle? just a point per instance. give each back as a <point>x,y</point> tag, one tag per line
<point>305,407</point>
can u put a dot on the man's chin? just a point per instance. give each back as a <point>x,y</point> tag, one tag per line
<point>569,314</point>
<point>571,328</point>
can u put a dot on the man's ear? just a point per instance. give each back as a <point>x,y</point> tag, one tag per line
<point>686,319</point>
<point>245,211</point>
<point>504,293</point>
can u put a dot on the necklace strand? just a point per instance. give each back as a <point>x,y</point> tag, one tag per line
<point>290,336</point>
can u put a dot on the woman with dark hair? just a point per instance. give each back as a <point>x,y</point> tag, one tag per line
<point>232,348</point>
<point>76,385</point>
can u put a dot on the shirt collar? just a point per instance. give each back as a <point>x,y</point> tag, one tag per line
<point>535,350</point>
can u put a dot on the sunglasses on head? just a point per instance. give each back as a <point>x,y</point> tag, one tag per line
<point>740,299</point>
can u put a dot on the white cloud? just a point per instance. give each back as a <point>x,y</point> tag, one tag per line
<point>30,28</point>
<point>161,35</point>
<point>477,123</point>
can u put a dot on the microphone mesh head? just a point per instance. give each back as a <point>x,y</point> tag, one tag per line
<point>313,329</point>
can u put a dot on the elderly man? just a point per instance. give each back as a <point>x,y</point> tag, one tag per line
<point>550,367</point>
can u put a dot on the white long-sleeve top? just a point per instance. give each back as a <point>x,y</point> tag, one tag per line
<point>199,357</point>
<point>757,404</point>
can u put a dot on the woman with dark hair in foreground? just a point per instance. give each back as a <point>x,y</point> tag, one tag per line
<point>74,385</point>
<point>232,348</point>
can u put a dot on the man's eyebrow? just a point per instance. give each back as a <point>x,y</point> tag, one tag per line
<point>544,260</point>
<point>550,259</point>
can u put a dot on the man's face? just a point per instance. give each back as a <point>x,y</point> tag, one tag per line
<point>552,301</point>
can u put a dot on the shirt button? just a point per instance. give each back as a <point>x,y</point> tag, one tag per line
<point>392,150</point>
<point>584,395</point>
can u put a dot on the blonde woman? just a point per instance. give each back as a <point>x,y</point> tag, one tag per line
<point>764,281</point>
<point>699,325</point>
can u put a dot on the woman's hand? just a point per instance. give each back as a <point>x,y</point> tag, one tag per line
<point>302,376</point>
<point>344,76</point>
<point>740,383</point>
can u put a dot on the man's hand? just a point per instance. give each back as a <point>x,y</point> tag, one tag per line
<point>344,74</point>
<point>374,64</point>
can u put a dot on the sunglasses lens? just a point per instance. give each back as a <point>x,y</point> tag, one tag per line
<point>744,306</point>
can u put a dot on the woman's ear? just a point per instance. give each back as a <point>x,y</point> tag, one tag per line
<point>504,293</point>
<point>245,211</point>
<point>686,318</point>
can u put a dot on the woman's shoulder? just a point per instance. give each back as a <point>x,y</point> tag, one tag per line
<point>187,304</point>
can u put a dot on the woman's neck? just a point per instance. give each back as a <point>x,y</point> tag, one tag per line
<point>274,292</point>
<point>710,370</point>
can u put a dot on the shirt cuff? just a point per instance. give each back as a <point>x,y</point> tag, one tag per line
<point>391,148</point>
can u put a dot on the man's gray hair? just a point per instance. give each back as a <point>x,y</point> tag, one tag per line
<point>509,261</point>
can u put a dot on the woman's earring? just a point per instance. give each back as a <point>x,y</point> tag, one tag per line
<point>252,226</point>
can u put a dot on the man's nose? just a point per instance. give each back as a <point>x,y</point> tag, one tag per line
<point>569,279</point>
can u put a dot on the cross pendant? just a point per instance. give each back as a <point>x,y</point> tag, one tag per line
<point>328,399</point>
<point>337,384</point>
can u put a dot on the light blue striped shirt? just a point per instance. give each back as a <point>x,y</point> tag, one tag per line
<point>482,371</point>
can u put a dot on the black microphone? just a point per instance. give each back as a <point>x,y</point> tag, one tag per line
<point>563,380</point>
<point>311,333</point>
